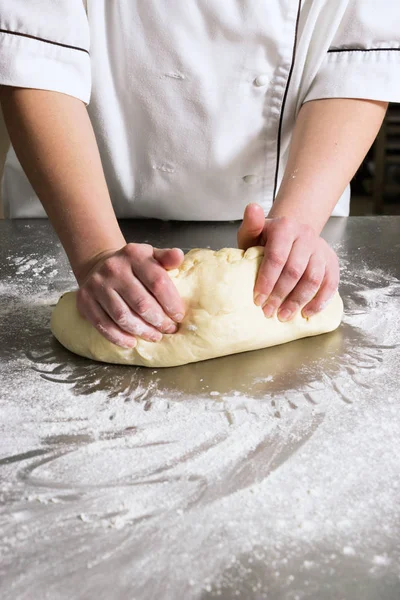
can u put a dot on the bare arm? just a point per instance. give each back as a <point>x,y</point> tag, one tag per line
<point>330,141</point>
<point>54,140</point>
<point>55,143</point>
<point>300,270</point>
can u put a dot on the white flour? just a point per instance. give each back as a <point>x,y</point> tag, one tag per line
<point>191,484</point>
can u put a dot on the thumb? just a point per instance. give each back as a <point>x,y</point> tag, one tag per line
<point>252,226</point>
<point>169,258</point>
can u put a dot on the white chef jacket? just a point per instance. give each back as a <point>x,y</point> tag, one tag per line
<point>193,102</point>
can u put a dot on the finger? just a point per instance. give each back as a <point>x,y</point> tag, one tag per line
<point>325,293</point>
<point>252,226</point>
<point>169,258</point>
<point>92,312</point>
<point>132,292</point>
<point>155,278</point>
<point>122,315</point>
<point>143,304</point>
<point>277,249</point>
<point>305,290</point>
<point>292,273</point>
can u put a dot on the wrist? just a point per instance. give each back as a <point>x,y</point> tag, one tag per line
<point>299,210</point>
<point>83,268</point>
<point>86,254</point>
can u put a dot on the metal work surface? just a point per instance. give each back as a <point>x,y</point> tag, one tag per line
<point>268,475</point>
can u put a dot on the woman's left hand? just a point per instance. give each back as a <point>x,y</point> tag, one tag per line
<point>300,271</point>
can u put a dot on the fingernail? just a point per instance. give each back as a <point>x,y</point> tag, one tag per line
<point>260,299</point>
<point>171,329</point>
<point>178,317</point>
<point>285,314</point>
<point>156,337</point>
<point>268,311</point>
<point>308,313</point>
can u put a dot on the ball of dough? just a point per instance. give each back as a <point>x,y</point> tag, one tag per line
<point>221,317</point>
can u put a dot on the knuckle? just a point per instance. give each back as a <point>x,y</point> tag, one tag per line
<point>285,222</point>
<point>275,259</point>
<point>133,250</point>
<point>95,281</point>
<point>142,305</point>
<point>287,226</point>
<point>157,283</point>
<point>109,268</point>
<point>274,301</point>
<point>294,271</point>
<point>120,316</point>
<point>313,279</point>
<point>130,249</point>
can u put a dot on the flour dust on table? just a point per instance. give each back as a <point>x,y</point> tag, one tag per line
<point>271,474</point>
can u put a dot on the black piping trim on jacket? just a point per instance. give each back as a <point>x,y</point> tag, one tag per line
<point>285,95</point>
<point>338,50</point>
<point>33,37</point>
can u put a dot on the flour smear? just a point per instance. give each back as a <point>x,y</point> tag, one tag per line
<point>204,481</point>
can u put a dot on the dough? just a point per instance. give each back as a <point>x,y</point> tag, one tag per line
<point>221,317</point>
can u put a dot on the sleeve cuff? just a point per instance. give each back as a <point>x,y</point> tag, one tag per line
<point>31,63</point>
<point>363,74</point>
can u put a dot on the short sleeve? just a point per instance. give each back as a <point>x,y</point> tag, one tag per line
<point>44,44</point>
<point>363,60</point>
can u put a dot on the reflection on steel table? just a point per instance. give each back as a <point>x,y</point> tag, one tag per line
<point>270,474</point>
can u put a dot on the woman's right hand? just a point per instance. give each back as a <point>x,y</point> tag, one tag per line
<point>127,294</point>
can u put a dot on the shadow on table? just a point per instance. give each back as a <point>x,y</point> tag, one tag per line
<point>309,365</point>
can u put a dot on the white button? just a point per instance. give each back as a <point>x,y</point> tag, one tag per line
<point>250,179</point>
<point>261,80</point>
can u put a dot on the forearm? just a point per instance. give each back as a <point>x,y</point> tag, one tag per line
<point>54,141</point>
<point>330,140</point>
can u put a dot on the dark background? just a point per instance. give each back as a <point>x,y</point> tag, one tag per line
<point>376,186</point>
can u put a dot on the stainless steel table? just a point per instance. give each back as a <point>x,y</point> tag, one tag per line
<point>272,474</point>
